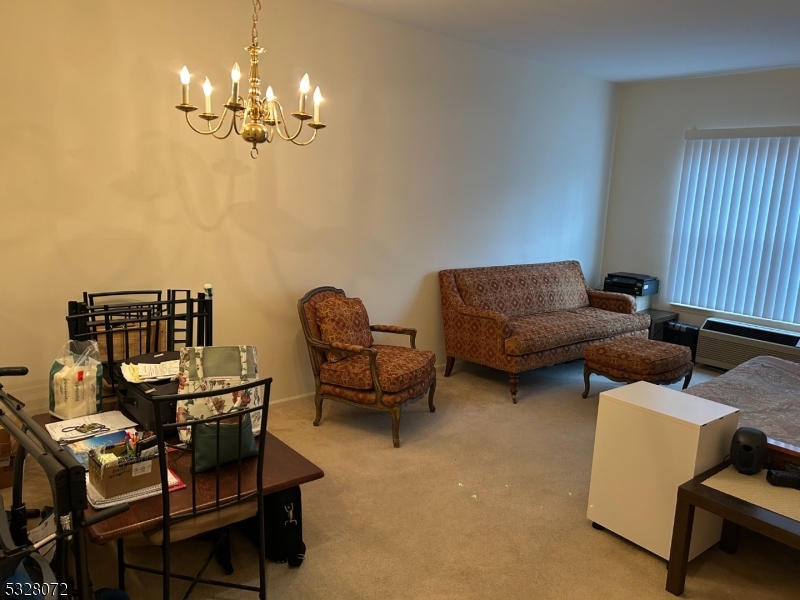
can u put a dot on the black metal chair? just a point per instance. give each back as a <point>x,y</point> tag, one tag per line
<point>131,323</point>
<point>195,315</point>
<point>226,506</point>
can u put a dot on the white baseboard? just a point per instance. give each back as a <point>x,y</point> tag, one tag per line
<point>298,397</point>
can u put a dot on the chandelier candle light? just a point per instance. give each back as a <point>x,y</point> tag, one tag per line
<point>255,119</point>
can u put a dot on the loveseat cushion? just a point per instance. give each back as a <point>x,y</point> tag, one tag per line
<point>398,368</point>
<point>343,320</point>
<point>517,290</point>
<point>543,331</point>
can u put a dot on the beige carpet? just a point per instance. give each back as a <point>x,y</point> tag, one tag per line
<point>484,499</point>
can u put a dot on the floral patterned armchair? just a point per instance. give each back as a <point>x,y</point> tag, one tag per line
<point>350,368</point>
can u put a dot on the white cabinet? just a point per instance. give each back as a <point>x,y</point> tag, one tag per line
<point>649,440</point>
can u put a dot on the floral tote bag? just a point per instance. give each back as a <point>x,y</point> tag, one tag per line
<point>216,368</point>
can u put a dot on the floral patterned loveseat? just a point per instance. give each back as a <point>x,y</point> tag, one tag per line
<point>521,317</point>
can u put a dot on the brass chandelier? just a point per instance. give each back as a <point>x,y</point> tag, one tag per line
<point>256,119</point>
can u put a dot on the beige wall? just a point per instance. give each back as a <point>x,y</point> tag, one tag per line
<point>648,154</point>
<point>438,154</point>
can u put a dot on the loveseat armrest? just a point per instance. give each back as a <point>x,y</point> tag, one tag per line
<point>410,332</point>
<point>612,301</point>
<point>499,321</point>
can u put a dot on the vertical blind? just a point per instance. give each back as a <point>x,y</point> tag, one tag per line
<point>734,247</point>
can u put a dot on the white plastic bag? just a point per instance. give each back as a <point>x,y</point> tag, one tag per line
<point>76,381</point>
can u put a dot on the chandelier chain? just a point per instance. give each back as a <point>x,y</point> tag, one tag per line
<point>256,8</point>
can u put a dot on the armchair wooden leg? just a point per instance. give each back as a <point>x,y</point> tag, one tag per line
<point>448,368</point>
<point>318,402</point>
<point>430,395</point>
<point>586,373</point>
<point>688,378</point>
<point>396,425</point>
<point>513,379</point>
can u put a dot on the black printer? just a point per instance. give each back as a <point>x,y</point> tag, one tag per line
<point>634,284</point>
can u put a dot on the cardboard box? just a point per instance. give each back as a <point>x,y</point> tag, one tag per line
<point>123,474</point>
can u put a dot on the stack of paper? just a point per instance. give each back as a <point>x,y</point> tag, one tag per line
<point>81,428</point>
<point>146,372</point>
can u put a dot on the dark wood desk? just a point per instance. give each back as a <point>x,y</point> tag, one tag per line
<point>735,512</point>
<point>283,468</point>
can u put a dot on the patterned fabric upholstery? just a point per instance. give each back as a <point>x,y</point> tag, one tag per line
<point>388,328</point>
<point>664,377</point>
<point>310,314</point>
<point>479,335</point>
<point>343,320</point>
<point>543,331</point>
<point>349,348</point>
<point>398,368</point>
<point>554,356</point>
<point>638,356</point>
<point>517,290</point>
<point>766,389</point>
<point>621,303</point>
<point>388,400</point>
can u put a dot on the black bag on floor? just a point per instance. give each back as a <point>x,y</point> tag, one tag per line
<point>283,524</point>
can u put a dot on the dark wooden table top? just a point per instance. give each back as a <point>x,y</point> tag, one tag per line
<point>283,468</point>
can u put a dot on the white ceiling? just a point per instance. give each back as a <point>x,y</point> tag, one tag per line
<point>615,40</point>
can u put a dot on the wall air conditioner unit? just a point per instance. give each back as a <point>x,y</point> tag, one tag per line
<point>726,344</point>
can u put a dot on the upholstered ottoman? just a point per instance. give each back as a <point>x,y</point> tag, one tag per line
<point>630,359</point>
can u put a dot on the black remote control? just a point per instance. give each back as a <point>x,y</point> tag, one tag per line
<point>784,479</point>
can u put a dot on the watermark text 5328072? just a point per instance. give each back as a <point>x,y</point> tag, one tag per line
<point>37,590</point>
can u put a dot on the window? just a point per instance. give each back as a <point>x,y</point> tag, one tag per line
<point>734,247</point>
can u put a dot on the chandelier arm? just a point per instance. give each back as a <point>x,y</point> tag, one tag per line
<point>287,137</point>
<point>235,126</point>
<point>195,129</point>
<point>279,119</point>
<point>230,128</point>
<point>214,130</point>
<point>313,136</point>
<point>211,131</point>
<point>221,123</point>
